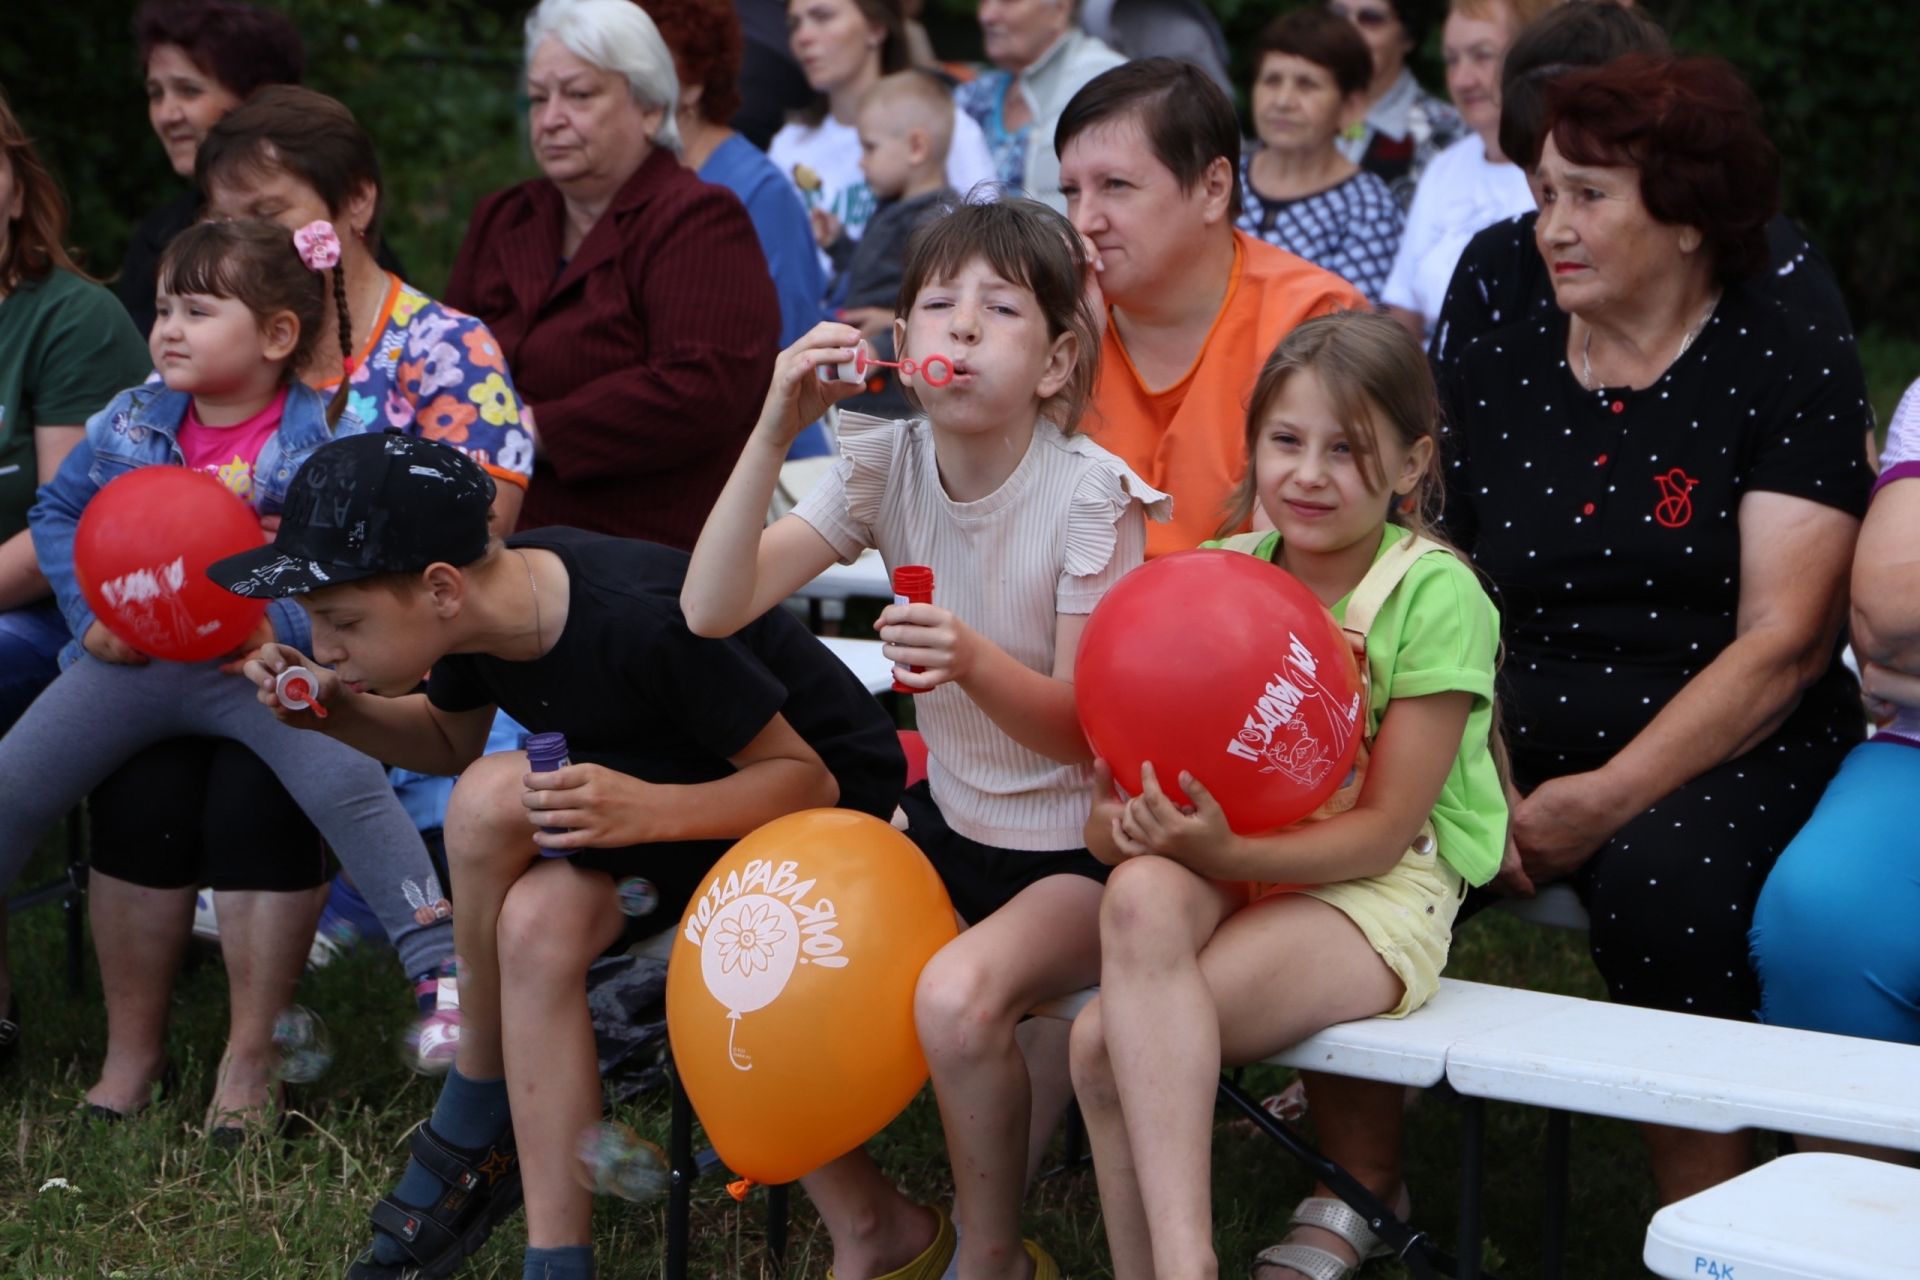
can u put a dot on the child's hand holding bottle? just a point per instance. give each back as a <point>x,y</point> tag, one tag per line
<point>928,645</point>
<point>798,394</point>
<point>322,690</point>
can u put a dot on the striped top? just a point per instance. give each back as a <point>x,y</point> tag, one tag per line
<point>1063,528</point>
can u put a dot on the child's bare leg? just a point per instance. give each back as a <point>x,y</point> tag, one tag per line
<point>1277,972</point>
<point>874,1226</point>
<point>556,919</point>
<point>489,846</point>
<point>972,994</point>
<point>1043,1043</point>
<point>139,935</point>
<point>1154,1022</point>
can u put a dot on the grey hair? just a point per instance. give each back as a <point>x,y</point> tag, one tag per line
<point>616,36</point>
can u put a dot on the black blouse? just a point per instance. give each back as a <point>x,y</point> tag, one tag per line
<point>1608,520</point>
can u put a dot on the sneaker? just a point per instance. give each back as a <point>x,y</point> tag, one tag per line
<point>430,1043</point>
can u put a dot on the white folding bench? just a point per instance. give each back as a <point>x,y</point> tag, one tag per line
<point>1812,1216</point>
<point>865,579</point>
<point>864,659</point>
<point>1711,1074</point>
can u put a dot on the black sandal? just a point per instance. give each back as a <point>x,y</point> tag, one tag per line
<point>482,1189</point>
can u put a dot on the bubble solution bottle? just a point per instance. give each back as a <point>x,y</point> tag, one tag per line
<point>545,753</point>
<point>912,584</point>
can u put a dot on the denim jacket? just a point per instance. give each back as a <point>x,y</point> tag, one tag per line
<point>141,428</point>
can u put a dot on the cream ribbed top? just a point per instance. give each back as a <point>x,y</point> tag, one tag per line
<point>1063,528</point>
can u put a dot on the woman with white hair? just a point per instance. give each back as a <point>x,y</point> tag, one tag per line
<point>631,300</point>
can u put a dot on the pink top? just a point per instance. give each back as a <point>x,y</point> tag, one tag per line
<point>229,453</point>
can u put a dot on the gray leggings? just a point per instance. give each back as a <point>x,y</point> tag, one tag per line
<point>97,714</point>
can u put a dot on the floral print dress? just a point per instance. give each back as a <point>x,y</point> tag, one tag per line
<point>437,373</point>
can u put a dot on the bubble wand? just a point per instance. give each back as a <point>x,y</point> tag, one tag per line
<point>935,370</point>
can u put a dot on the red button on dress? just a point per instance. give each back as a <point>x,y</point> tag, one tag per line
<point>1587,510</point>
<point>1600,461</point>
<point>1619,407</point>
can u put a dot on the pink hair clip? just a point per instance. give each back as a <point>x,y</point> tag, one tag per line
<point>319,247</point>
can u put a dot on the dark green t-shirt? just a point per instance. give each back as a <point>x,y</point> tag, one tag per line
<point>66,347</point>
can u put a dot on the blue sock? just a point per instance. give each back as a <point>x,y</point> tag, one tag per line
<point>470,1113</point>
<point>568,1262</point>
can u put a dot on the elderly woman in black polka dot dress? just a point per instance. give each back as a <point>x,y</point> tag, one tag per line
<point>1663,480</point>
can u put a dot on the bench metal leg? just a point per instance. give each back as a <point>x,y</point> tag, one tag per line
<point>1553,1234</point>
<point>777,1230</point>
<point>1422,1258</point>
<point>1473,1136</point>
<point>680,1191</point>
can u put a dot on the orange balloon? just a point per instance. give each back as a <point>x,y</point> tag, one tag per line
<point>790,989</point>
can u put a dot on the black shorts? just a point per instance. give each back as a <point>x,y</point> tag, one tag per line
<point>979,877</point>
<point>203,811</point>
<point>677,871</point>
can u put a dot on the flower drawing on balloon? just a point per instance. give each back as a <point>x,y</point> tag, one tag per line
<point>746,942</point>
<point>753,929</point>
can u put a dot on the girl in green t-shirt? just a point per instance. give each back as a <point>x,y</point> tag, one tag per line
<point>1220,949</point>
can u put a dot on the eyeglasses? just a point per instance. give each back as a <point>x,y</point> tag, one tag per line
<point>1363,17</point>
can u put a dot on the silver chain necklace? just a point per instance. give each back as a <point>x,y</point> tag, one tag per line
<point>534,587</point>
<point>1686,341</point>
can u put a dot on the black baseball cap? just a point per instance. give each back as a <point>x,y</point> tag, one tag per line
<point>366,505</point>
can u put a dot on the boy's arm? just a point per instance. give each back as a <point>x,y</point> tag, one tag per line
<point>599,808</point>
<point>409,732</point>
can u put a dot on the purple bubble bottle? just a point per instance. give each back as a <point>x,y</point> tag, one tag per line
<point>545,753</point>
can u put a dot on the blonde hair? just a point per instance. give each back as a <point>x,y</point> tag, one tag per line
<point>1375,377</point>
<point>1521,12</point>
<point>914,100</point>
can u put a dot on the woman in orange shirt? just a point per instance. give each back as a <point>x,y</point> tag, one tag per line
<point>1149,155</point>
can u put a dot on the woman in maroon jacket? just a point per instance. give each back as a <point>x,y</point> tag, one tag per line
<point>631,299</point>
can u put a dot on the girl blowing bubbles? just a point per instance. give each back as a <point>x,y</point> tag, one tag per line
<point>1205,958</point>
<point>1025,526</point>
<point>239,308</point>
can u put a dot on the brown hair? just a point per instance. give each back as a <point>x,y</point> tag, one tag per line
<point>287,129</point>
<point>1322,38</point>
<point>1586,34</point>
<point>707,46</point>
<point>238,45</point>
<point>33,240</point>
<point>253,261</point>
<point>1692,128</point>
<point>1375,378</point>
<point>1188,120</point>
<point>891,18</point>
<point>1027,244</point>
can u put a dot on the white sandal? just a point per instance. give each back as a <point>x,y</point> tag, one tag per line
<point>1338,1218</point>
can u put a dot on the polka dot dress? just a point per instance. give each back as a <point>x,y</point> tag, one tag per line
<point>1608,523</point>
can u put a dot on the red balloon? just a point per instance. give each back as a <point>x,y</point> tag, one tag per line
<point>141,554</point>
<point>1226,666</point>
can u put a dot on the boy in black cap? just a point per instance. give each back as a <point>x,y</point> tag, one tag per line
<point>680,745</point>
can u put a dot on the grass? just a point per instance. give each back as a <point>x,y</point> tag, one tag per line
<point>149,1199</point>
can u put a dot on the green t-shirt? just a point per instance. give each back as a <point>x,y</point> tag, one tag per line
<point>66,348</point>
<point>1438,633</point>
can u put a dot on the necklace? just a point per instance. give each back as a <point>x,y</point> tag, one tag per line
<point>533,587</point>
<point>1686,340</point>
